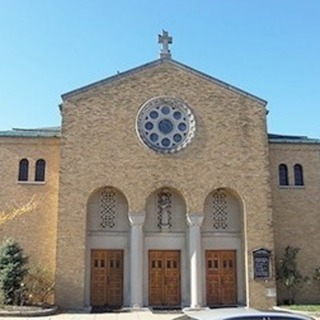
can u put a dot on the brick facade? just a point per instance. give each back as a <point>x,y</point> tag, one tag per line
<point>35,231</point>
<point>99,147</point>
<point>296,210</point>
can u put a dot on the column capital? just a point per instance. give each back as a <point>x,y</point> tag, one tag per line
<point>195,219</point>
<point>136,218</point>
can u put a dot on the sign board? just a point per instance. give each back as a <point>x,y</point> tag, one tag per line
<point>261,263</point>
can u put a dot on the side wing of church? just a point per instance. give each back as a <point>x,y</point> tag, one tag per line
<point>163,188</point>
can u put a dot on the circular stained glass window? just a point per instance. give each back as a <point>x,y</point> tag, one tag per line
<point>165,124</point>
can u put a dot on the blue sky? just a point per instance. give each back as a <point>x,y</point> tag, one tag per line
<point>270,48</point>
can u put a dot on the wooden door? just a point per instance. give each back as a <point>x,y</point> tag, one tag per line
<point>221,277</point>
<point>107,278</point>
<point>164,278</point>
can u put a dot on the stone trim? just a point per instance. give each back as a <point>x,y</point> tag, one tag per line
<point>136,219</point>
<point>195,220</point>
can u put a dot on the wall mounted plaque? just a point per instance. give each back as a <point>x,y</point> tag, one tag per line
<point>261,263</point>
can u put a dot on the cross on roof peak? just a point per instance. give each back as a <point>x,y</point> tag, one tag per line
<point>165,40</point>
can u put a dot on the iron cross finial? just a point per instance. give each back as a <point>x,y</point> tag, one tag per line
<point>165,40</point>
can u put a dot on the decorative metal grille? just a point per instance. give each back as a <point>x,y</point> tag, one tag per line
<point>219,213</point>
<point>164,204</point>
<point>108,205</point>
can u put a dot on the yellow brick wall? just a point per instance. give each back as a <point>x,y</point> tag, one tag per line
<point>296,211</point>
<point>100,147</point>
<point>35,231</point>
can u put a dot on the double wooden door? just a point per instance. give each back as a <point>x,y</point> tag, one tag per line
<point>164,278</point>
<point>107,278</point>
<point>221,277</point>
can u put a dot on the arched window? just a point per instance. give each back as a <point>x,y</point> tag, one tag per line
<point>283,175</point>
<point>23,170</point>
<point>40,170</point>
<point>298,175</point>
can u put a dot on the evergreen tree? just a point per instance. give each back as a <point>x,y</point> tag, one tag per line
<point>12,271</point>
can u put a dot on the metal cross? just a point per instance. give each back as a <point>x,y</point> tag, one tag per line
<point>165,40</point>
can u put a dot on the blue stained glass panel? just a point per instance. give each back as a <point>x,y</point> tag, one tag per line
<point>177,115</point>
<point>154,114</point>
<point>182,126</point>
<point>149,125</point>
<point>165,110</point>
<point>177,137</point>
<point>165,142</point>
<point>154,137</point>
<point>165,126</point>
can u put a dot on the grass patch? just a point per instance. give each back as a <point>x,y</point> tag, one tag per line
<point>304,307</point>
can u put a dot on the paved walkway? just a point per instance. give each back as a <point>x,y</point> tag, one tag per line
<point>130,315</point>
<point>145,314</point>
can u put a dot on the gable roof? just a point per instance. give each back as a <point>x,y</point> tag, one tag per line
<point>158,62</point>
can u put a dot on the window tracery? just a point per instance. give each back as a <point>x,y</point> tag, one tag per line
<point>165,124</point>
<point>108,205</point>
<point>164,213</point>
<point>219,213</point>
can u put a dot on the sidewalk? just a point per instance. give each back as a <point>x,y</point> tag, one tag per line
<point>127,315</point>
<point>144,314</point>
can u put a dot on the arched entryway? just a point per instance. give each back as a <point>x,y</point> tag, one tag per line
<point>222,235</point>
<point>165,282</point>
<point>107,248</point>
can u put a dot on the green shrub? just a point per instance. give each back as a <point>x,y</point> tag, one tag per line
<point>12,272</point>
<point>289,275</point>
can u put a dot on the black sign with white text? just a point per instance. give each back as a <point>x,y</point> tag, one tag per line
<point>261,263</point>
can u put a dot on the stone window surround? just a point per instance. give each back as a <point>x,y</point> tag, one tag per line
<point>32,182</point>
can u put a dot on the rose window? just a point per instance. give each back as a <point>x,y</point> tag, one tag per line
<point>165,124</point>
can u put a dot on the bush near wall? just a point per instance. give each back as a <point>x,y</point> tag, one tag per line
<point>12,272</point>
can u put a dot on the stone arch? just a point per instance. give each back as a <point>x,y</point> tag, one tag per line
<point>223,211</point>
<point>223,235</point>
<point>177,187</point>
<point>165,210</point>
<point>107,210</point>
<point>107,236</point>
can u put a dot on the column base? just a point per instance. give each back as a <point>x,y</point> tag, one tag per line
<point>195,308</point>
<point>136,306</point>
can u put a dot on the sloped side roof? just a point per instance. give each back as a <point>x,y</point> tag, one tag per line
<point>286,139</point>
<point>55,132</point>
<point>157,63</point>
<point>50,132</point>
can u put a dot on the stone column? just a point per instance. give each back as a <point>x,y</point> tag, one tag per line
<point>195,222</point>
<point>136,260</point>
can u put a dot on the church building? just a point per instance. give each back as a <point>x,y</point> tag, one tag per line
<point>163,187</point>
